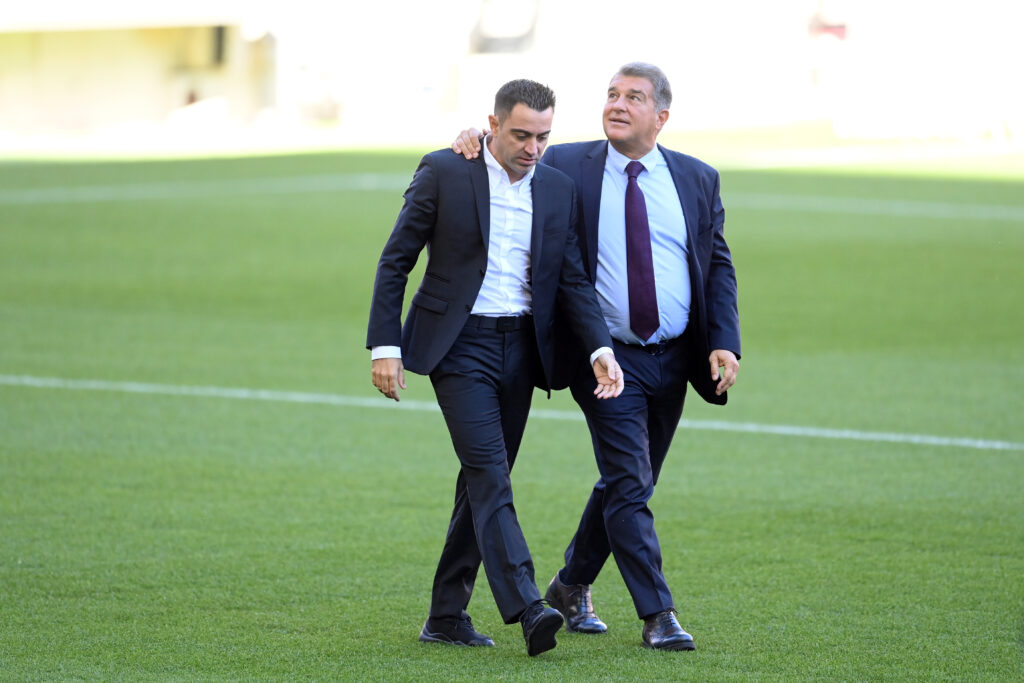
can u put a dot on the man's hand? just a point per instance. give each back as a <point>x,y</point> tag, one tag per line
<point>609,376</point>
<point>468,143</point>
<point>388,376</point>
<point>725,361</point>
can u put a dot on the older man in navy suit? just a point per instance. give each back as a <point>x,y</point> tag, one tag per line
<point>502,254</point>
<point>651,233</point>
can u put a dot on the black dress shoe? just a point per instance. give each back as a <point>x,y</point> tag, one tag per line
<point>575,604</point>
<point>663,632</point>
<point>540,624</point>
<point>454,631</point>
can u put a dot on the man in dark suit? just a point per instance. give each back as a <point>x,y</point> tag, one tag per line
<point>651,233</point>
<point>502,253</point>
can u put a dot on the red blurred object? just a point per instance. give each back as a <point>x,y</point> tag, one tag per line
<point>819,27</point>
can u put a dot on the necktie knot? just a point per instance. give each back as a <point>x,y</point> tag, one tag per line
<point>634,168</point>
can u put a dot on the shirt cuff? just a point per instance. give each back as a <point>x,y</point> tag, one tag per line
<point>385,352</point>
<point>597,354</point>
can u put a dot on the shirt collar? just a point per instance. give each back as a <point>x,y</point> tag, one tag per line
<point>617,160</point>
<point>494,167</point>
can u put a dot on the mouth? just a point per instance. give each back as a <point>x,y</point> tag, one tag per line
<point>617,121</point>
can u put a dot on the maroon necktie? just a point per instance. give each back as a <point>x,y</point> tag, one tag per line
<point>643,298</point>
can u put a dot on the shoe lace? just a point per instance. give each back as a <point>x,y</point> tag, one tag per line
<point>668,618</point>
<point>534,609</point>
<point>581,594</point>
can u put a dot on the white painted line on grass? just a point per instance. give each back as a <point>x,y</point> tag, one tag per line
<point>364,182</point>
<point>427,406</point>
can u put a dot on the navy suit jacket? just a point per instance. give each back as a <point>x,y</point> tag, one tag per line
<point>714,317</point>
<point>447,210</point>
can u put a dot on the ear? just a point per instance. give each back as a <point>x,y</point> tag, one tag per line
<point>492,120</point>
<point>662,118</point>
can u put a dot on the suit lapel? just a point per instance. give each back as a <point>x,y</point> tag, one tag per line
<point>537,190</point>
<point>688,199</point>
<point>482,195</point>
<point>591,181</point>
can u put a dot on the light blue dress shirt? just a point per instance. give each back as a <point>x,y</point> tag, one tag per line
<point>668,247</point>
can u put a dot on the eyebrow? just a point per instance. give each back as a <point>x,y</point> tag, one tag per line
<point>632,91</point>
<point>529,132</point>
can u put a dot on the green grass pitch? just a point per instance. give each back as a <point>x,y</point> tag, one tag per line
<point>149,536</point>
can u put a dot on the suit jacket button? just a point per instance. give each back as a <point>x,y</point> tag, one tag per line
<point>469,309</point>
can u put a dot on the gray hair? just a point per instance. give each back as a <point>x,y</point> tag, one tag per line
<point>657,77</point>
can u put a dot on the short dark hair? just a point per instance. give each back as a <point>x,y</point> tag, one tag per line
<point>522,91</point>
<point>657,77</point>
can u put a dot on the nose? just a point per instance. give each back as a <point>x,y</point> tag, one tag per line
<point>531,147</point>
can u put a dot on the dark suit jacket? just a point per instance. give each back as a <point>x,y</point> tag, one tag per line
<point>447,209</point>
<point>714,317</point>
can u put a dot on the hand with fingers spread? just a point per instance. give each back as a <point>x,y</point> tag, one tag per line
<point>388,376</point>
<point>468,142</point>
<point>724,367</point>
<point>609,376</point>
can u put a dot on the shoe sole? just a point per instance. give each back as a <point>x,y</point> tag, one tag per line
<point>543,637</point>
<point>427,638</point>
<point>444,640</point>
<point>674,647</point>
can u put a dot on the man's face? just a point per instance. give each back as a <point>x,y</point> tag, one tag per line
<point>518,141</point>
<point>630,120</point>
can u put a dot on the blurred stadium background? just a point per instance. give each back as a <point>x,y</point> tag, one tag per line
<point>221,75</point>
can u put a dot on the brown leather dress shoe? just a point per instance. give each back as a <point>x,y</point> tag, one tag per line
<point>663,632</point>
<point>575,605</point>
<point>453,631</point>
<point>540,624</point>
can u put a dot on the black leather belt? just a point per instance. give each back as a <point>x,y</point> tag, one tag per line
<point>656,348</point>
<point>502,323</point>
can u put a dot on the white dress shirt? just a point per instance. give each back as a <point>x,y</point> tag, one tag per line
<point>507,288</point>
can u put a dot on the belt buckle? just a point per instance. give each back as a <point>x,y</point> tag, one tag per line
<point>657,348</point>
<point>506,323</point>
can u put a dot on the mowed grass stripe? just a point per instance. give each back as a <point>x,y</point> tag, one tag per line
<point>874,207</point>
<point>368,182</point>
<point>183,189</point>
<point>248,394</point>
